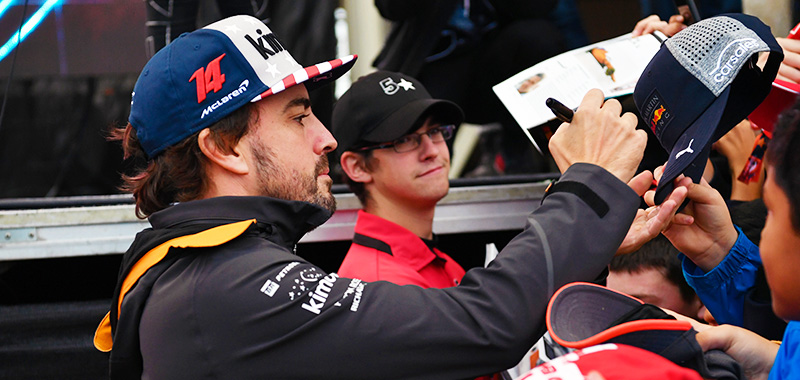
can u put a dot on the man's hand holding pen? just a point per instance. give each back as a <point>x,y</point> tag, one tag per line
<point>561,111</point>
<point>598,135</point>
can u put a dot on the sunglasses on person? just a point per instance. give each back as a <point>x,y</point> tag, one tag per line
<point>410,142</point>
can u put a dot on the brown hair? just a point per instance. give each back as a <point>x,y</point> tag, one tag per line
<point>658,254</point>
<point>177,174</point>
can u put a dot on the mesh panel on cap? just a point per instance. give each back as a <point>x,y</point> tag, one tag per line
<point>714,50</point>
<point>696,44</point>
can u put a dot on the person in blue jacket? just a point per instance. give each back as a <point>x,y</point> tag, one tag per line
<point>722,264</point>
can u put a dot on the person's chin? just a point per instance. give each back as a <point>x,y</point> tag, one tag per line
<point>435,187</point>
<point>326,200</point>
<point>324,185</point>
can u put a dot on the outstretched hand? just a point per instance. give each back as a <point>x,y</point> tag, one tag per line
<point>704,231</point>
<point>650,222</point>
<point>599,135</point>
<point>755,354</point>
<point>652,23</point>
<point>790,66</point>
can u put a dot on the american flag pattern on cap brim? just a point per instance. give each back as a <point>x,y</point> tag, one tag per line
<point>303,75</point>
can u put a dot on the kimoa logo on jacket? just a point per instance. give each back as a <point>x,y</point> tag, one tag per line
<point>320,294</point>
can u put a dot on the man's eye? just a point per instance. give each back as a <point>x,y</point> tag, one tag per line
<point>403,140</point>
<point>300,118</point>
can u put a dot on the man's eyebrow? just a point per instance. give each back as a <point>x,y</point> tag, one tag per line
<point>302,101</point>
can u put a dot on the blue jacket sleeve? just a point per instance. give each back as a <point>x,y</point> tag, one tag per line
<point>788,355</point>
<point>723,289</point>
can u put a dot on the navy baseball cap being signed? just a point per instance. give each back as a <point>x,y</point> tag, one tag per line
<point>205,75</point>
<point>700,84</point>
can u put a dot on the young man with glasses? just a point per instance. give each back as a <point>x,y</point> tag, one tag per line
<point>392,138</point>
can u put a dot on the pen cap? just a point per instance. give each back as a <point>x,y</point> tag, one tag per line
<point>701,83</point>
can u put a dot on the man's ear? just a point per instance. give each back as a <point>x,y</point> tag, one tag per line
<point>231,161</point>
<point>354,166</point>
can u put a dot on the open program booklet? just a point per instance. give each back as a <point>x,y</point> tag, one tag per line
<point>613,66</point>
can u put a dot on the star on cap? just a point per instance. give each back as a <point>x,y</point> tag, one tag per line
<point>233,29</point>
<point>406,85</point>
<point>272,69</point>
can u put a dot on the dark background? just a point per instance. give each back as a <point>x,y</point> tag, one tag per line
<point>72,78</point>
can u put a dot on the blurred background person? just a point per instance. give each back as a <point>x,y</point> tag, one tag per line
<point>653,274</point>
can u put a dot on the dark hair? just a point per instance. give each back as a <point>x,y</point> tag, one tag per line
<point>783,155</point>
<point>178,174</point>
<point>658,254</point>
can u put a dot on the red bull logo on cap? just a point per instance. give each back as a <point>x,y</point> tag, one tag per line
<point>656,117</point>
<point>658,112</point>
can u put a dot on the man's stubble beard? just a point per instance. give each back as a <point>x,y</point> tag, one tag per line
<point>293,185</point>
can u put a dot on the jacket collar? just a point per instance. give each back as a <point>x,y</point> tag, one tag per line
<point>405,246</point>
<point>290,220</point>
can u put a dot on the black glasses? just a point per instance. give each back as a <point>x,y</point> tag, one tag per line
<point>410,142</point>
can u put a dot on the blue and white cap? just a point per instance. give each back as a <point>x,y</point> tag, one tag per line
<point>205,75</point>
<point>700,84</point>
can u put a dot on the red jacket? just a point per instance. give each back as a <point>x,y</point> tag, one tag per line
<point>383,250</point>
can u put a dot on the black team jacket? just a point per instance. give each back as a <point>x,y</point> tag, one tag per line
<point>214,290</point>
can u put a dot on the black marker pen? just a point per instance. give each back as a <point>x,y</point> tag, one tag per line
<point>561,111</point>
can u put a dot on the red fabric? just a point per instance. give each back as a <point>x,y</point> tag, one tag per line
<point>411,261</point>
<point>610,362</point>
<point>782,95</point>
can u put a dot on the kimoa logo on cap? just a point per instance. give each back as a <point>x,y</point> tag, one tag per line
<point>262,41</point>
<point>390,87</point>
<point>735,51</point>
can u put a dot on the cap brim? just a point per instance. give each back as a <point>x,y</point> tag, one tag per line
<point>691,151</point>
<point>402,120</point>
<point>581,315</point>
<point>313,76</point>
